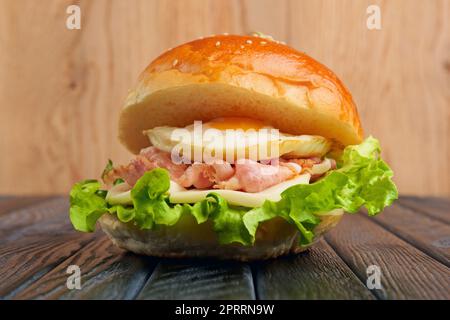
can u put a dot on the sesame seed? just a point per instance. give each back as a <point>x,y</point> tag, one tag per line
<point>242,46</point>
<point>249,41</point>
<point>175,62</point>
<point>263,42</point>
<point>217,43</point>
<point>225,33</point>
<point>263,36</point>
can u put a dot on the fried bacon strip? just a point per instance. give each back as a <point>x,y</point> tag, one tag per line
<point>247,175</point>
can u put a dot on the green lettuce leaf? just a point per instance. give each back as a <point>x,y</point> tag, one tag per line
<point>362,179</point>
<point>87,204</point>
<point>148,201</point>
<point>228,221</point>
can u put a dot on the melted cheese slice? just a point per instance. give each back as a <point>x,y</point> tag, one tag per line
<point>119,194</point>
<point>178,194</point>
<point>237,198</point>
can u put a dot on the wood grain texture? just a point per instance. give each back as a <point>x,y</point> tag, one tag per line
<point>68,85</point>
<point>405,271</point>
<point>430,235</point>
<point>35,240</point>
<point>199,280</point>
<point>22,263</point>
<point>438,208</point>
<point>121,279</point>
<point>11,203</point>
<point>318,273</point>
<point>40,219</point>
<point>107,273</point>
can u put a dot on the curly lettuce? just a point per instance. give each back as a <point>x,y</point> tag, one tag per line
<point>87,205</point>
<point>362,179</point>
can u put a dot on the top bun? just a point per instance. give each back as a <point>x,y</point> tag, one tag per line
<point>239,76</point>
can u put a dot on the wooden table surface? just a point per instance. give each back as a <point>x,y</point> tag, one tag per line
<point>410,242</point>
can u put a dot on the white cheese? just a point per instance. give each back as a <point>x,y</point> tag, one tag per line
<point>178,194</point>
<point>119,194</point>
<point>239,198</point>
<point>322,167</point>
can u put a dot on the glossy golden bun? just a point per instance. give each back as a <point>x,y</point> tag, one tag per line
<point>186,238</point>
<point>239,76</point>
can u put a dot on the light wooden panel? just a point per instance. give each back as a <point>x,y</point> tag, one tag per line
<point>61,89</point>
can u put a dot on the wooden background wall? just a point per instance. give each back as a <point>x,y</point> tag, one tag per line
<point>61,90</point>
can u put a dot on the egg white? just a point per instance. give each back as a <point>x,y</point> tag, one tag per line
<point>209,142</point>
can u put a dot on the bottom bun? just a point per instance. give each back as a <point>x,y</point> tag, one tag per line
<point>187,239</point>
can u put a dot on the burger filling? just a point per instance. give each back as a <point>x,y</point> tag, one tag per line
<point>247,175</point>
<point>305,180</point>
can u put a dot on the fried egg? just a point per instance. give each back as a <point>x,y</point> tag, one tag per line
<point>231,139</point>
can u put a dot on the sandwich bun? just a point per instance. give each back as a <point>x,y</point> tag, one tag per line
<point>187,239</point>
<point>232,76</point>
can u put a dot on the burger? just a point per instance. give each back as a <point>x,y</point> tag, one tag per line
<point>244,148</point>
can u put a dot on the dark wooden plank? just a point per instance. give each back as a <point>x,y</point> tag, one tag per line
<point>21,263</point>
<point>107,272</point>
<point>438,208</point>
<point>45,228</point>
<point>35,216</point>
<point>429,235</point>
<point>318,273</point>
<point>10,203</point>
<point>122,279</point>
<point>199,279</point>
<point>442,202</point>
<point>34,240</point>
<point>406,272</point>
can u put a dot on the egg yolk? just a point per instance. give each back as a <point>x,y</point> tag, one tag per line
<point>236,123</point>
